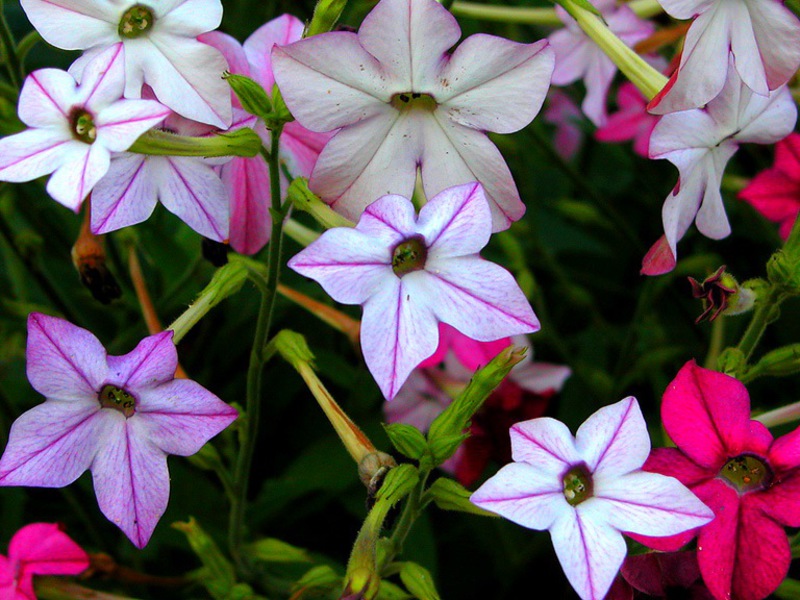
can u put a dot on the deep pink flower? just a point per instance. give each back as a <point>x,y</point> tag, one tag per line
<point>630,122</point>
<point>247,179</point>
<point>749,480</point>
<point>38,549</point>
<point>119,416</point>
<point>775,192</point>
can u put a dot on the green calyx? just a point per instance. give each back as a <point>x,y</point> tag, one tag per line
<point>136,21</point>
<point>83,127</point>
<point>578,485</point>
<point>747,473</point>
<point>117,398</point>
<point>409,256</point>
<point>406,101</point>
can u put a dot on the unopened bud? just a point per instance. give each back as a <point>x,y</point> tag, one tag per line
<point>89,258</point>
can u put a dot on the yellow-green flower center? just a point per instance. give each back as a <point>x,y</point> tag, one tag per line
<point>406,101</point>
<point>117,398</point>
<point>747,473</point>
<point>136,21</point>
<point>578,485</point>
<point>83,127</point>
<point>409,255</point>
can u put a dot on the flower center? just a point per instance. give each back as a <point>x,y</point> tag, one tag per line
<point>119,399</point>
<point>578,485</point>
<point>409,255</point>
<point>747,473</point>
<point>136,21</point>
<point>83,127</point>
<point>406,101</point>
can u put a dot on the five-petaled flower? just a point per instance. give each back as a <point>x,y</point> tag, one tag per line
<point>411,273</point>
<point>161,49</point>
<point>38,549</point>
<point>750,480</point>
<point>74,128</point>
<point>117,415</point>
<point>402,103</point>
<point>589,489</point>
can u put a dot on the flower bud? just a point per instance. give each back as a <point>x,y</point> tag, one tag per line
<point>721,295</point>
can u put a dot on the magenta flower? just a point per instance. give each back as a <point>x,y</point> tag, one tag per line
<point>630,122</point>
<point>470,353</point>
<point>75,128</point>
<point>403,102</point>
<point>775,192</point>
<point>578,57</point>
<point>749,480</point>
<point>187,186</point>
<point>38,549</point>
<point>411,273</point>
<point>247,179</point>
<point>589,489</point>
<point>562,112</point>
<point>161,49</point>
<point>118,416</point>
<point>761,38</point>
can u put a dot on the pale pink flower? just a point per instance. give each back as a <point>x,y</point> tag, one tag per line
<point>74,128</point>
<point>761,37</point>
<point>578,57</point>
<point>38,549</point>
<point>161,49</point>
<point>411,273</point>
<point>562,112</point>
<point>119,416</point>
<point>588,490</point>
<point>403,103</point>
<point>247,179</point>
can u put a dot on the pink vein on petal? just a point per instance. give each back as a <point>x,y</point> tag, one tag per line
<point>114,210</point>
<point>585,552</point>
<point>455,214</point>
<point>133,486</point>
<point>47,94</point>
<point>614,436</point>
<point>77,12</point>
<point>16,162</point>
<point>340,264</point>
<point>66,358</point>
<point>199,203</point>
<point>524,434</point>
<point>104,73</point>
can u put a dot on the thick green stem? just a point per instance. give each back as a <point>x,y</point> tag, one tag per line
<point>536,15</point>
<point>255,370</point>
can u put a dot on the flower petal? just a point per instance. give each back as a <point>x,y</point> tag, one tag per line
<point>179,416</point>
<point>707,415</point>
<point>525,495</point>
<point>545,444</point>
<point>453,154</point>
<point>418,402</point>
<point>190,188</point>
<point>479,298</point>
<point>43,549</point>
<point>247,182</point>
<point>367,160</point>
<point>131,480</point>
<point>650,504</point>
<point>64,362</point>
<point>494,84</point>
<point>614,440</point>
<point>767,120</point>
<point>456,222</point>
<point>125,196</point>
<point>281,30</point>
<point>150,364</point>
<point>777,33</point>
<point>188,18</point>
<point>74,24</point>
<point>333,67</point>
<point>52,444</point>
<point>590,551</point>
<point>300,148</point>
<point>409,38</point>
<point>47,98</point>
<point>32,153</point>
<point>119,125</point>
<point>81,169</point>
<point>674,463</point>
<point>102,81</point>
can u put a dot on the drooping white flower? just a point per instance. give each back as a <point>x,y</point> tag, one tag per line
<point>588,489</point>
<point>161,47</point>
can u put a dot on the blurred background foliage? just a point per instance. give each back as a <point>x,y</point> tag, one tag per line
<point>577,253</point>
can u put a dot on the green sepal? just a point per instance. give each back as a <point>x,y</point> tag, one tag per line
<point>242,142</point>
<point>217,575</point>
<point>418,581</point>
<point>390,591</point>
<point>253,97</point>
<point>778,363</point>
<point>456,417</point>
<point>207,458</point>
<point>448,494</point>
<point>408,440</point>
<point>321,577</point>
<point>272,550</point>
<point>326,14</point>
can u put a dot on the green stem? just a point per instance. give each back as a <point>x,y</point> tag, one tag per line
<point>536,15</point>
<point>767,310</point>
<point>780,416</point>
<point>717,343</point>
<point>255,369</point>
<point>411,512</point>
<point>15,74</point>
<point>27,43</point>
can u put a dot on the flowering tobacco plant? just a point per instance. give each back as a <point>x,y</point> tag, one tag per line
<point>362,153</point>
